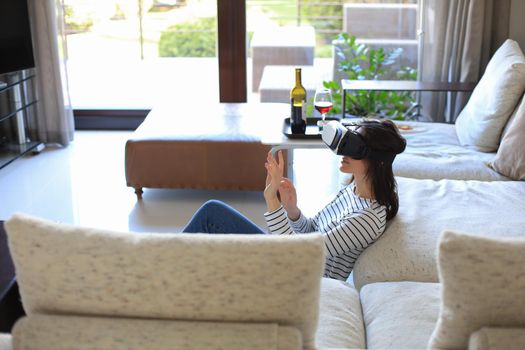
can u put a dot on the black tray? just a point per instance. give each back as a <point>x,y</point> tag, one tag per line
<point>312,130</point>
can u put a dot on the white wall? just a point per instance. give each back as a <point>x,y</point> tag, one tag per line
<point>517,24</point>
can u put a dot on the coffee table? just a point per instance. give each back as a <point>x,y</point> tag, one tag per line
<point>278,141</point>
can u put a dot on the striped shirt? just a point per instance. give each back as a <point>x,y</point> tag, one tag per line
<point>349,224</point>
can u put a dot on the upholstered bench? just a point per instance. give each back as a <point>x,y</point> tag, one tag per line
<point>211,147</point>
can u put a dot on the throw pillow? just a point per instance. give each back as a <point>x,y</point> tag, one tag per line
<point>482,283</point>
<point>64,269</point>
<point>482,120</point>
<point>510,159</point>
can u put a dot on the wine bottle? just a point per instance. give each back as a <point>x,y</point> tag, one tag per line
<point>298,100</point>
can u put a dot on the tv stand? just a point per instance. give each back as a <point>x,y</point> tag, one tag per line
<point>17,102</point>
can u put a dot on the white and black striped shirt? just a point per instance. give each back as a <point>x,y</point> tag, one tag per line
<point>349,224</point>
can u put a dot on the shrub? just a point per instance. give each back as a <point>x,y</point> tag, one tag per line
<point>197,38</point>
<point>360,62</point>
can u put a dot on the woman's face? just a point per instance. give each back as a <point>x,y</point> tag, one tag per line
<point>353,166</point>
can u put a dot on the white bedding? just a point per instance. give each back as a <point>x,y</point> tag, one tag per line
<point>433,152</point>
<point>407,249</point>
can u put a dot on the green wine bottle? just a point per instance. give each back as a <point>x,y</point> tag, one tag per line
<point>298,103</point>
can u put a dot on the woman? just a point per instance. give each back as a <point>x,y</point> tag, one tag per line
<point>352,221</point>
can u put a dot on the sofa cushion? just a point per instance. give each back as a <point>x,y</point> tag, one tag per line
<point>399,315</point>
<point>407,249</point>
<point>86,333</point>
<point>482,120</point>
<point>510,159</point>
<point>340,317</point>
<point>483,284</point>
<point>238,278</point>
<point>497,339</point>
<point>433,152</point>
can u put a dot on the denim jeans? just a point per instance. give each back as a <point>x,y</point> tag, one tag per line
<point>218,217</point>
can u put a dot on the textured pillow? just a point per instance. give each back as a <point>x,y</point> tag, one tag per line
<point>497,339</point>
<point>510,159</point>
<point>482,120</point>
<point>107,333</point>
<point>63,269</point>
<point>483,284</point>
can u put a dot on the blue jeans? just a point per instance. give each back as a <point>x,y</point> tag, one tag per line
<point>218,217</point>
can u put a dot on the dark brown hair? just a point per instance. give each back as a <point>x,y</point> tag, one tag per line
<point>383,136</point>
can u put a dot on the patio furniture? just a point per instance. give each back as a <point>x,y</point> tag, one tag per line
<point>281,46</point>
<point>277,81</point>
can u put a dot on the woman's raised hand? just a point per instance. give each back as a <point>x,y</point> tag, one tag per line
<point>289,198</point>
<point>274,174</point>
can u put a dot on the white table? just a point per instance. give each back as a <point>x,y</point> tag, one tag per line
<point>278,141</point>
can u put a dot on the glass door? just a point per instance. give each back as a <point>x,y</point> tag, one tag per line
<point>134,54</point>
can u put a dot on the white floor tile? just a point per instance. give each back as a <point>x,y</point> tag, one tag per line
<point>84,184</point>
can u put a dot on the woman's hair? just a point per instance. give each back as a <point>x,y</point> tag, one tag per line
<point>383,135</point>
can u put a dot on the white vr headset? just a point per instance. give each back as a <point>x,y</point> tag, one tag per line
<point>346,141</point>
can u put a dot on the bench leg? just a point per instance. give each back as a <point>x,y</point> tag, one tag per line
<point>138,192</point>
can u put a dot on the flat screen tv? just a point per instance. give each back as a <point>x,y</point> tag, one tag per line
<point>16,47</point>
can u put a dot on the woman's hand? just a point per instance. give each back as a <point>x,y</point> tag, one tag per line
<point>289,198</point>
<point>274,175</point>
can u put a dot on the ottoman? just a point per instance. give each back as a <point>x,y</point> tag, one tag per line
<point>217,147</point>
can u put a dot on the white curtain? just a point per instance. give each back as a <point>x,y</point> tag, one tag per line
<point>54,121</point>
<point>457,37</point>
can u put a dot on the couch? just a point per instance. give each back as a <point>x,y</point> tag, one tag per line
<point>424,283</point>
<point>87,288</point>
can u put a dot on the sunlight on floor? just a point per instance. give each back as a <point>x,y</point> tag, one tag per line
<point>84,184</point>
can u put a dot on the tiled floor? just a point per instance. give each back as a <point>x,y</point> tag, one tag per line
<point>84,184</point>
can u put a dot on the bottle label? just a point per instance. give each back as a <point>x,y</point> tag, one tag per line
<point>298,118</point>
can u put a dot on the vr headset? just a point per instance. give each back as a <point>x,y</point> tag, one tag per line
<point>346,141</point>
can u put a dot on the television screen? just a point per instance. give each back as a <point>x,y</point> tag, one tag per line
<point>16,48</point>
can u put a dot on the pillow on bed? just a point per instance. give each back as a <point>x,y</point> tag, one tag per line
<point>510,159</point>
<point>482,120</point>
<point>482,284</point>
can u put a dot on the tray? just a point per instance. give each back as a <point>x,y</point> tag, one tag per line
<point>312,130</point>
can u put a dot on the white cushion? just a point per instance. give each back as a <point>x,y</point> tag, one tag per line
<point>86,333</point>
<point>239,278</point>
<point>340,318</point>
<point>497,339</point>
<point>483,284</point>
<point>399,315</point>
<point>482,120</point>
<point>433,152</point>
<point>407,249</point>
<point>510,159</point>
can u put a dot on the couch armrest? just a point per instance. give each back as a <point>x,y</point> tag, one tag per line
<point>492,338</point>
<point>5,341</point>
<point>78,332</point>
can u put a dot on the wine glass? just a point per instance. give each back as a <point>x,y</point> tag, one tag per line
<point>323,103</point>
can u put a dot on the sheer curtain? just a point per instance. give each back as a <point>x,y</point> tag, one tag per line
<point>54,120</point>
<point>458,38</point>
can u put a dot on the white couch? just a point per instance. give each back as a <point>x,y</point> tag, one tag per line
<point>85,288</point>
<point>415,287</point>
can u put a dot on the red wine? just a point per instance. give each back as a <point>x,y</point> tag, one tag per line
<point>323,107</point>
